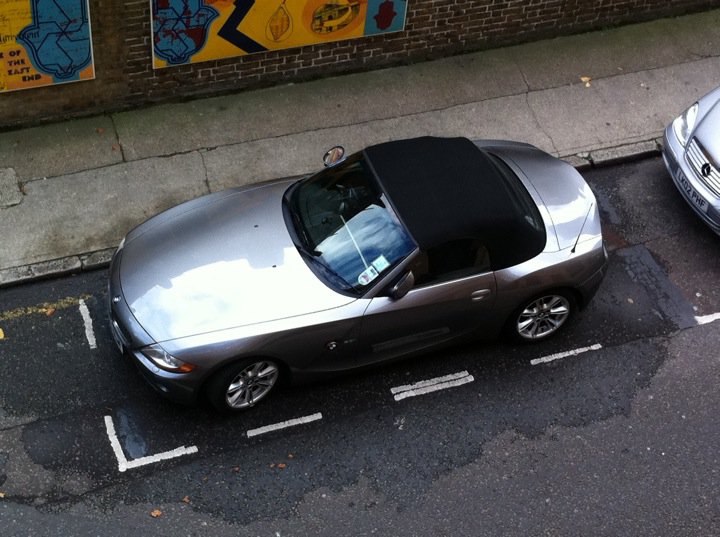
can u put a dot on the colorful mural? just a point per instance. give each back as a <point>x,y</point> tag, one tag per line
<point>193,31</point>
<point>44,42</point>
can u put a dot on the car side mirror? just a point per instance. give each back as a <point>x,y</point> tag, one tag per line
<point>335,155</point>
<point>402,286</point>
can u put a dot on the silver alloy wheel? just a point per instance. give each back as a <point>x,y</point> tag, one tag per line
<point>251,384</point>
<point>543,317</point>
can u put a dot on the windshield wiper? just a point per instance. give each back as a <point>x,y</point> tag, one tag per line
<point>297,231</point>
<point>314,258</point>
<point>304,238</point>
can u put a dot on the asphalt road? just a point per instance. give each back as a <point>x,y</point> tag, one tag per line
<point>609,429</point>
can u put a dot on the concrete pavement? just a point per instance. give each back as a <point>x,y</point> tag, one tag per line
<point>70,191</point>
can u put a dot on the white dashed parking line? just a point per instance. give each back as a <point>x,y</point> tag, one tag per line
<point>87,320</point>
<point>559,355</point>
<point>124,464</point>
<point>432,385</point>
<point>284,425</point>
<point>705,319</point>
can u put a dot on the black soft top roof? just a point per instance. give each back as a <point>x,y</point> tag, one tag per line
<point>448,188</point>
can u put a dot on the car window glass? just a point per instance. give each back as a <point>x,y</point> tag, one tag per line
<point>515,241</point>
<point>451,260</point>
<point>348,231</point>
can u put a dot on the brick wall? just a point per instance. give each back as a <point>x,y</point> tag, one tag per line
<point>434,28</point>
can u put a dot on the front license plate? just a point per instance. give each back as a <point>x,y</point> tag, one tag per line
<point>691,193</point>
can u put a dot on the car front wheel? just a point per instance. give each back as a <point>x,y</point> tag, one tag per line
<point>242,385</point>
<point>542,316</point>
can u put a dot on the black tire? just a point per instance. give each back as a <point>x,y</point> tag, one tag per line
<point>542,317</point>
<point>243,384</point>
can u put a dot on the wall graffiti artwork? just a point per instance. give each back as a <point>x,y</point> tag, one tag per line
<point>44,42</point>
<point>193,31</point>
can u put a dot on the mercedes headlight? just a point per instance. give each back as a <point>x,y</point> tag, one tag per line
<point>685,123</point>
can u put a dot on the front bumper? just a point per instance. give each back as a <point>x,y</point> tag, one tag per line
<point>694,190</point>
<point>174,386</point>
<point>130,338</point>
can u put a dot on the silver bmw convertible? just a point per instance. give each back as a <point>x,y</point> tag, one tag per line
<point>395,250</point>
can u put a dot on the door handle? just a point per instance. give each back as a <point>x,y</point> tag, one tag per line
<point>479,295</point>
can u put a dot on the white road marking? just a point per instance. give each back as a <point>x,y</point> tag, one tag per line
<point>432,385</point>
<point>705,319</point>
<point>284,424</point>
<point>559,355</point>
<point>165,455</point>
<point>115,443</point>
<point>89,332</point>
<point>124,464</point>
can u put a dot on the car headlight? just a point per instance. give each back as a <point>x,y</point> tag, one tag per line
<point>166,361</point>
<point>684,124</point>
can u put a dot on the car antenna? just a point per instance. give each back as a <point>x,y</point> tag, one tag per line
<point>582,228</point>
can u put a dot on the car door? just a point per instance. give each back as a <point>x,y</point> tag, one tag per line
<point>453,296</point>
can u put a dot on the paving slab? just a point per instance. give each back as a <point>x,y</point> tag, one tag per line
<point>89,211</point>
<point>699,34</point>
<point>60,148</point>
<point>617,51</point>
<point>621,110</point>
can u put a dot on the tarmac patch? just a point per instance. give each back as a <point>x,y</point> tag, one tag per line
<point>644,270</point>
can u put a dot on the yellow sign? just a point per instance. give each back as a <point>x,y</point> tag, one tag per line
<point>44,43</point>
<point>192,31</point>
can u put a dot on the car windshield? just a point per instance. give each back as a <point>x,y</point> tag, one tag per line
<point>346,228</point>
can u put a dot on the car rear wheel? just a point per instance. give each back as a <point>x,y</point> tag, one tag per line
<point>543,316</point>
<point>242,385</point>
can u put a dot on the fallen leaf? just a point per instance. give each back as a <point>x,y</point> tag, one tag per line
<point>2,494</point>
<point>585,80</point>
<point>115,147</point>
<point>272,465</point>
<point>236,469</point>
<point>49,311</point>
<point>100,130</point>
<point>291,456</point>
<point>156,513</point>
<point>282,465</point>
<point>631,301</point>
<point>186,499</point>
<point>2,334</point>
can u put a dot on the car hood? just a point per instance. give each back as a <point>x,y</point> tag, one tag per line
<point>707,132</point>
<point>557,187</point>
<point>220,261</point>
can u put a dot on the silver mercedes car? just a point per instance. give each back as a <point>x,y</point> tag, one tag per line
<point>691,151</point>
<point>392,251</point>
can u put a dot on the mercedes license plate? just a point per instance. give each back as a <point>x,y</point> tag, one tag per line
<point>691,193</point>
